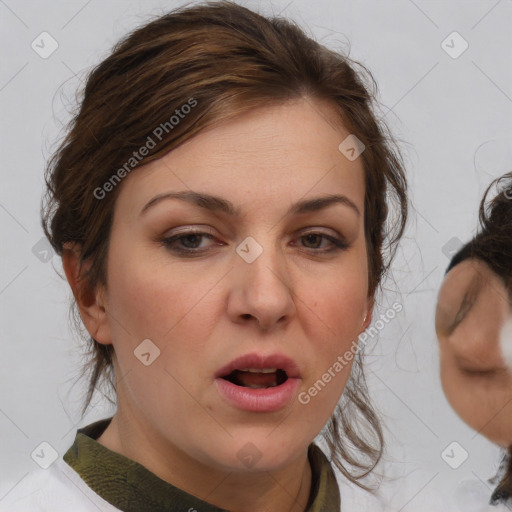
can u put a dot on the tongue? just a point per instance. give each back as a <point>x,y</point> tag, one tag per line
<point>248,379</point>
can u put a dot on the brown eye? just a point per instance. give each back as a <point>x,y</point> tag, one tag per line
<point>313,240</point>
<point>191,241</point>
<point>187,243</point>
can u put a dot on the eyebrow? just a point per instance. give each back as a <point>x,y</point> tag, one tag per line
<point>218,204</point>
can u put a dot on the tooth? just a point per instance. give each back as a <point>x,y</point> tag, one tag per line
<point>256,386</point>
<point>253,370</point>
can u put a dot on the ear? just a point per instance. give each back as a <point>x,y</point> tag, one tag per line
<point>90,302</point>
<point>367,320</point>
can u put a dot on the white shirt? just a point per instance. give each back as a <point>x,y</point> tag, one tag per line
<point>56,489</point>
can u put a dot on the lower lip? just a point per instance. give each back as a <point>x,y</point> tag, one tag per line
<point>258,400</point>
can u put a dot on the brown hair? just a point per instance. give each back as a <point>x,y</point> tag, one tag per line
<point>225,59</point>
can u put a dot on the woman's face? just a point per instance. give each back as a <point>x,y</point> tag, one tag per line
<point>473,306</point>
<point>283,276</point>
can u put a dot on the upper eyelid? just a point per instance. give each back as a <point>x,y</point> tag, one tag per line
<point>468,301</point>
<point>493,372</point>
<point>192,231</point>
<point>477,373</point>
<point>465,306</point>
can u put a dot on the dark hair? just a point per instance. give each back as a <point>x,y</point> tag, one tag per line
<point>493,242</point>
<point>503,490</point>
<point>227,60</point>
<point>493,245</point>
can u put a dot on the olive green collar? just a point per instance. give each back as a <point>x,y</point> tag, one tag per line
<point>131,487</point>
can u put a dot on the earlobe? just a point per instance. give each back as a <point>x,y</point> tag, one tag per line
<point>90,301</point>
<point>367,320</point>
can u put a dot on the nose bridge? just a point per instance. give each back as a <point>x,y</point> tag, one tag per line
<point>262,260</point>
<point>262,279</point>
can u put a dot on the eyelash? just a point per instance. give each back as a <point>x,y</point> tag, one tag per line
<point>477,373</point>
<point>338,244</point>
<point>487,374</point>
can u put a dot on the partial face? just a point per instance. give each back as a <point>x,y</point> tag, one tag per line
<point>473,308</point>
<point>280,278</point>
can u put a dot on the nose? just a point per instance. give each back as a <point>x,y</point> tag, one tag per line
<point>476,339</point>
<point>261,291</point>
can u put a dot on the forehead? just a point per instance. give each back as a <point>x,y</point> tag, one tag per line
<point>270,155</point>
<point>474,283</point>
<point>472,270</point>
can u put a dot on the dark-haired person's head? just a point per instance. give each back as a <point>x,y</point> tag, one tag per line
<point>473,305</point>
<point>473,315</point>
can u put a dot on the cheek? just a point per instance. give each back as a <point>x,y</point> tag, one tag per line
<point>451,384</point>
<point>332,320</point>
<point>337,303</point>
<point>460,398</point>
<point>171,308</point>
<point>484,408</point>
<point>154,301</point>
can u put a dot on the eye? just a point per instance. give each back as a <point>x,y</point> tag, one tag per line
<point>187,243</point>
<point>489,374</point>
<point>313,240</point>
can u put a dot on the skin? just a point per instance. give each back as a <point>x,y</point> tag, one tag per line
<point>475,379</point>
<point>295,298</point>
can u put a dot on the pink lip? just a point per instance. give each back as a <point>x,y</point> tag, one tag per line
<point>258,400</point>
<point>264,399</point>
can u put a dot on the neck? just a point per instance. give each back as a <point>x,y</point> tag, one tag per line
<point>286,489</point>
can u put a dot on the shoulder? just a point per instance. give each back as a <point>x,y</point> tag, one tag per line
<point>58,488</point>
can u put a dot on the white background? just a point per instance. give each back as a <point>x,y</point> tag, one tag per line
<point>453,116</point>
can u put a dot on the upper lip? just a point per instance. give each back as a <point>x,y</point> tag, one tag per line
<point>260,362</point>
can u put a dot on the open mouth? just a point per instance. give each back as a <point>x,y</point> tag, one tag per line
<point>257,379</point>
